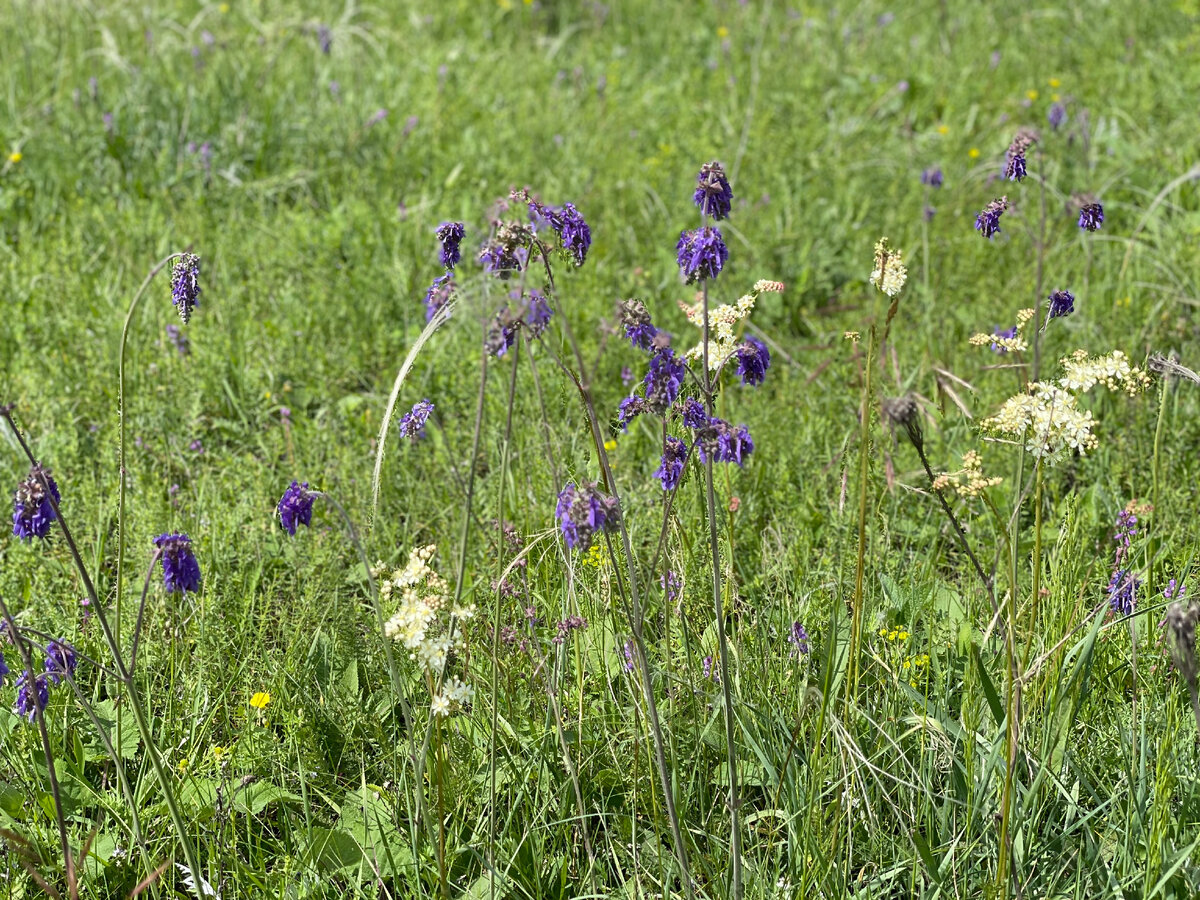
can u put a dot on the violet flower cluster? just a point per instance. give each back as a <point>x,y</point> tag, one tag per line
<point>33,689</point>
<point>583,511</point>
<point>33,512</point>
<point>295,507</point>
<point>412,423</point>
<point>181,571</point>
<point>185,285</point>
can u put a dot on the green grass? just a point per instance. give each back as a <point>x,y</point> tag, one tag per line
<point>315,231</point>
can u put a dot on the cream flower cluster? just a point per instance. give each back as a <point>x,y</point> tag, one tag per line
<point>1048,418</point>
<point>889,274</point>
<point>970,480</point>
<point>1012,343</point>
<point>1082,372</point>
<point>722,342</point>
<point>422,595</point>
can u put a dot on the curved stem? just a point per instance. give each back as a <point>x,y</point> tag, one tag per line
<point>137,631</point>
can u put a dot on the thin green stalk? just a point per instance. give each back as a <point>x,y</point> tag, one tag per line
<point>1155,495</point>
<point>864,474</point>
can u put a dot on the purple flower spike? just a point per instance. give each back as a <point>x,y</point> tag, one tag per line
<point>572,230</point>
<point>538,313</point>
<point>412,423</point>
<point>638,327</point>
<point>713,195</point>
<point>32,695</point>
<point>723,442</point>
<point>1057,116</point>
<point>33,512</point>
<point>1122,592</point>
<point>798,638</point>
<point>439,294</point>
<point>701,253</point>
<point>753,360</point>
<point>1062,303</point>
<point>450,235</point>
<point>987,222</point>
<point>693,414</point>
<point>4,670</point>
<point>582,511</point>
<point>60,661</point>
<point>296,506</point>
<point>664,380</point>
<point>181,572</point>
<point>185,285</point>
<point>932,177</point>
<point>673,457</point>
<point>1091,217</point>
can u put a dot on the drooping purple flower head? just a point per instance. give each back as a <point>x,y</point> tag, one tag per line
<point>60,661</point>
<point>638,327</point>
<point>798,638</point>
<point>1122,592</point>
<point>713,195</point>
<point>1010,333</point>
<point>932,177</point>
<point>185,285</point>
<point>664,380</point>
<point>181,572</point>
<point>412,423</point>
<point>629,409</point>
<point>701,253</point>
<point>325,38</point>
<point>1056,116</point>
<point>753,360</point>
<point>724,442</point>
<point>296,506</point>
<point>32,695</point>
<point>450,236</point>
<point>693,414</point>
<point>439,294</point>
<point>1091,216</point>
<point>1124,533</point>
<point>502,333</point>
<point>538,313</point>
<point>500,260</point>
<point>32,510</point>
<point>1014,166</point>
<point>987,222</point>
<point>929,212</point>
<point>566,626</point>
<point>671,469</point>
<point>572,230</point>
<point>670,584</point>
<point>582,511</point>
<point>1062,303</point>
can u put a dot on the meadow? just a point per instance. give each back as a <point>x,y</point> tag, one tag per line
<point>906,610</point>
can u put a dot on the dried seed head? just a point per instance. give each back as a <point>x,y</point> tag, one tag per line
<point>903,412</point>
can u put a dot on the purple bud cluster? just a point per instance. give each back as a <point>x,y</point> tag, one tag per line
<point>33,512</point>
<point>582,511</point>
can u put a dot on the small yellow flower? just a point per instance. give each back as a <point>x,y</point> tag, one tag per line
<point>1031,94</point>
<point>892,634</point>
<point>260,700</point>
<point>907,664</point>
<point>182,765</point>
<point>722,32</point>
<point>223,8</point>
<point>220,754</point>
<point>610,445</point>
<point>1054,82</point>
<point>903,635</point>
<point>973,153</point>
<point>883,632</point>
<point>1055,97</point>
<point>16,156</point>
<point>855,337</point>
<point>943,129</point>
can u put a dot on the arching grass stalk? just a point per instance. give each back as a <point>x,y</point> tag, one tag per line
<point>733,800</point>
<point>864,474</point>
<point>124,676</point>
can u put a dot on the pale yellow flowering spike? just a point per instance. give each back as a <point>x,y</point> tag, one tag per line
<point>889,274</point>
<point>722,341</point>
<point>1082,372</point>
<point>969,481</point>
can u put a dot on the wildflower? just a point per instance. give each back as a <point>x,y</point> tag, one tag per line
<point>1056,116</point>
<point>932,177</point>
<point>181,572</point>
<point>502,333</point>
<point>566,626</point>
<point>196,446</point>
<point>295,507</point>
<point>1005,340</point>
<point>32,695</point>
<point>798,638</point>
<point>664,380</point>
<point>440,705</point>
<point>1082,372</point>
<point>638,326</point>
<point>628,651</point>
<point>60,661</point>
<point>1091,216</point>
<point>4,670</point>
<point>260,700</point>
<point>1014,168</point>
<point>709,670</point>
<point>1173,591</point>
<point>629,409</point>
<point>412,423</point>
<point>1126,529</point>
<point>1062,303</point>
<point>33,511</point>
<point>538,313</point>
<point>626,376</point>
<point>1122,592</point>
<point>713,195</point>
<point>753,360</point>
<point>185,285</point>
<point>970,480</point>
<point>15,157</point>
<point>723,442</point>
<point>693,414</point>
<point>450,235</point>
<point>573,232</point>
<point>889,274</point>
<point>180,340</point>
<point>701,253</point>
<point>439,294</point>
<point>325,38</point>
<point>376,117</point>
<point>671,469</point>
<point>670,584</point>
<point>582,511</point>
<point>1049,420</point>
<point>987,222</point>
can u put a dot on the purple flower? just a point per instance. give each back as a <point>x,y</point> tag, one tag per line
<point>723,442</point>
<point>378,116</point>
<point>670,583</point>
<point>713,195</point>
<point>753,360</point>
<point>671,470</point>
<point>932,177</point>
<point>500,259</point>
<point>709,671</point>
<point>1062,303</point>
<point>1126,530</point>
<point>185,285</point>
<point>701,253</point>
<point>1010,333</point>
<point>538,313</point>
<point>573,232</point>
<point>439,294</point>
<point>582,511</point>
<point>181,572</point>
<point>664,380</point>
<point>1091,216</point>
<point>566,626</point>
<point>32,510</point>
<point>798,638</point>
<point>4,670</point>
<point>1173,591</point>
<point>929,212</point>
<point>628,650</point>
<point>626,376</point>
<point>60,661</point>
<point>176,336</point>
<point>987,222</point>
<point>629,409</point>
<point>324,38</point>
<point>412,423</point>
<point>296,506</point>
<point>1057,116</point>
<point>196,446</point>
<point>450,235</point>
<point>32,695</point>
<point>1014,167</point>
<point>502,333</point>
<point>1122,592</point>
<point>638,326</point>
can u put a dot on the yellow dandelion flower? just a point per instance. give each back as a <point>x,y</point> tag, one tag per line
<point>722,32</point>
<point>943,129</point>
<point>903,635</point>
<point>973,153</point>
<point>1031,94</point>
<point>260,700</point>
<point>610,445</point>
<point>1054,82</point>
<point>892,635</point>
<point>16,156</point>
